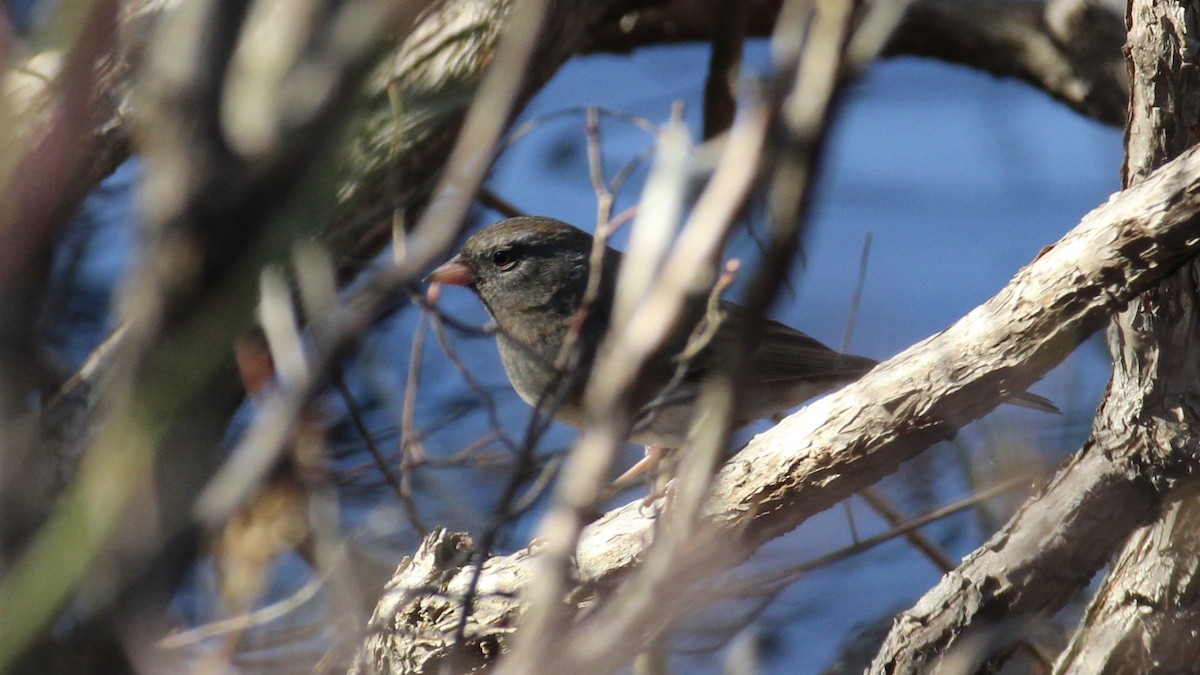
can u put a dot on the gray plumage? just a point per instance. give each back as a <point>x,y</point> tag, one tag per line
<point>531,274</point>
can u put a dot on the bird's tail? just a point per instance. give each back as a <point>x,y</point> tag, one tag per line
<point>1033,401</point>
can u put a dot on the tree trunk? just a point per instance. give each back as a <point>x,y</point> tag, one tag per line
<point>1144,617</point>
<point>1144,437</point>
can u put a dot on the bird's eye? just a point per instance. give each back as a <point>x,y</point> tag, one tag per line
<point>504,258</point>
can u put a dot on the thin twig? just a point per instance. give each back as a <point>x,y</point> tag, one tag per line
<point>790,575</point>
<point>724,66</point>
<point>495,202</point>
<point>411,449</point>
<point>848,510</point>
<point>243,622</point>
<point>622,218</point>
<point>850,320</point>
<point>460,327</point>
<point>381,463</point>
<point>530,125</point>
<point>459,457</point>
<point>856,299</point>
<point>538,487</point>
<point>874,498</point>
<point>604,197</point>
<point>91,369</point>
<point>880,504</point>
<point>622,175</point>
<point>488,401</point>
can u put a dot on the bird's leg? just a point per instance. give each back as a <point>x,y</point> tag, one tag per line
<point>654,455</point>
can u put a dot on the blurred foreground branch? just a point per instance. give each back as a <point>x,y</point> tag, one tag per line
<point>1068,48</point>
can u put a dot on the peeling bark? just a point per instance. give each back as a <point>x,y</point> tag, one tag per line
<point>1144,617</point>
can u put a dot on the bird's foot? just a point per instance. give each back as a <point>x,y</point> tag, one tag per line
<point>654,455</point>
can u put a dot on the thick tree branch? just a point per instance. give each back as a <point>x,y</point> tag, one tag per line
<point>1144,617</point>
<point>1071,49</point>
<point>1036,562</point>
<point>1064,47</point>
<point>850,439</point>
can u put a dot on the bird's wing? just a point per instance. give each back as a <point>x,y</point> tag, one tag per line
<point>783,356</point>
<point>781,353</point>
<point>777,354</point>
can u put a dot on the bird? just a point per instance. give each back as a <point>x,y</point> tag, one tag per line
<point>531,274</point>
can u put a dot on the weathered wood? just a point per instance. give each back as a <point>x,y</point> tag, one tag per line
<point>1143,617</point>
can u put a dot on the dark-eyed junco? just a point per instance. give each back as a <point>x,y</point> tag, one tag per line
<point>531,274</point>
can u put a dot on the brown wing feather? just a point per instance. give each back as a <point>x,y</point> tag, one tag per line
<point>785,354</point>
<point>778,354</point>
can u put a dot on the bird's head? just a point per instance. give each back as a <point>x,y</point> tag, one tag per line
<point>521,265</point>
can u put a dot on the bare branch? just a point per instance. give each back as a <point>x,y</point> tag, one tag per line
<point>1071,49</point>
<point>1048,551</point>
<point>1144,616</point>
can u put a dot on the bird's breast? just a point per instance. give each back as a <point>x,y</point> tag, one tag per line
<point>528,369</point>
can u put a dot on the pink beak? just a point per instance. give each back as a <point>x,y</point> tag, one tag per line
<point>453,272</point>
